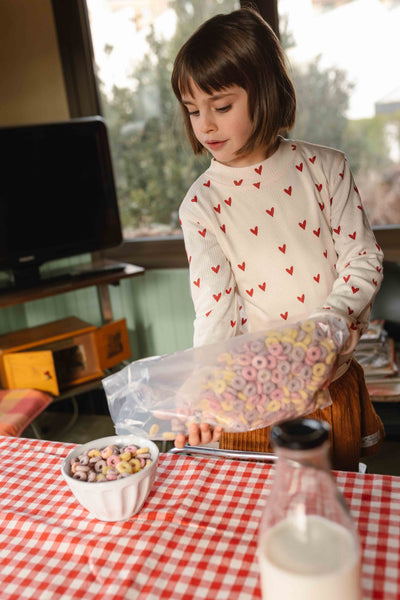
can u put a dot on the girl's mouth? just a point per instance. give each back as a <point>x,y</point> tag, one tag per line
<point>215,145</point>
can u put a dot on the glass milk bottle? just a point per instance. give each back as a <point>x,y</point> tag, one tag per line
<point>308,548</point>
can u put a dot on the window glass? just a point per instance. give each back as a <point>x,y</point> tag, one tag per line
<point>135,43</point>
<point>343,55</point>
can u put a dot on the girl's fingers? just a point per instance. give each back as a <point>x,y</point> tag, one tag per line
<point>194,435</point>
<point>203,434</point>
<point>206,433</point>
<point>217,433</point>
<point>180,440</point>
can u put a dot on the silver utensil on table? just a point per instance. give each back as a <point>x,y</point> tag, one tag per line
<point>221,453</point>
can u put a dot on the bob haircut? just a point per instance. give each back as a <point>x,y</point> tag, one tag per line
<point>239,48</point>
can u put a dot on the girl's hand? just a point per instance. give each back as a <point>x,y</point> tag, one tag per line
<point>203,434</point>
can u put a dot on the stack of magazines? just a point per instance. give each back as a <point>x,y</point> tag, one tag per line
<point>376,352</point>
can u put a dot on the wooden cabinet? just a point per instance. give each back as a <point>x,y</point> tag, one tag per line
<point>69,353</point>
<point>58,355</point>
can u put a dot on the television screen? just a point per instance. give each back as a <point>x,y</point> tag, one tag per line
<point>57,193</point>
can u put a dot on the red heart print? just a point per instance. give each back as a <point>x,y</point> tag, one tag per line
<point>356,189</point>
<point>337,231</point>
<point>233,323</point>
<point>303,224</point>
<point>346,278</point>
<point>270,211</point>
<point>208,313</point>
<point>318,186</point>
<point>350,311</point>
<point>238,182</point>
<point>257,185</point>
<point>316,277</point>
<point>217,297</point>
<point>290,270</point>
<point>326,253</point>
<point>262,286</point>
<point>228,291</point>
<point>294,146</point>
<point>190,259</point>
<point>359,206</point>
<point>207,183</point>
<point>354,289</point>
<point>229,201</point>
<point>250,292</point>
<point>374,282</point>
<point>352,235</point>
<point>299,167</point>
<point>194,199</point>
<point>244,321</point>
<point>317,231</point>
<point>282,248</point>
<point>222,227</point>
<point>378,268</point>
<point>203,233</point>
<point>197,282</point>
<point>341,175</point>
<point>258,169</point>
<point>284,315</point>
<point>362,253</point>
<point>215,269</point>
<point>312,159</point>
<point>301,298</point>
<point>255,230</point>
<point>242,266</point>
<point>217,208</point>
<point>288,190</point>
<point>321,205</point>
<point>330,201</point>
<point>378,246</point>
<point>354,327</point>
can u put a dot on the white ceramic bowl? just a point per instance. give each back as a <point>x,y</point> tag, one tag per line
<point>113,500</point>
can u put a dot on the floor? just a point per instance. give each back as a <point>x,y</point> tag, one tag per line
<point>75,426</point>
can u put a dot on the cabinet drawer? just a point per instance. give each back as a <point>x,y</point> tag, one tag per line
<point>63,359</point>
<point>31,370</point>
<point>112,344</point>
<point>53,367</point>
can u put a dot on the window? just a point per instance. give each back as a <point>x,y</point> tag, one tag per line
<point>343,59</point>
<point>356,107</point>
<point>135,43</point>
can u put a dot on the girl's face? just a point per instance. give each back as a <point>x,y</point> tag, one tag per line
<point>222,124</point>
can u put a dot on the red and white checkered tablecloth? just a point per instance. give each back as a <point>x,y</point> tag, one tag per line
<point>195,537</point>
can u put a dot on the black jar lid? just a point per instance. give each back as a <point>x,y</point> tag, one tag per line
<point>300,434</point>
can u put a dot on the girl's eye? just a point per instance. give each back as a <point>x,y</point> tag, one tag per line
<point>224,108</point>
<point>193,113</point>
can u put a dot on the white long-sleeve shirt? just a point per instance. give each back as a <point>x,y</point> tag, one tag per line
<point>277,242</point>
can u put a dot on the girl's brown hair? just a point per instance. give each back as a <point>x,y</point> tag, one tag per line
<point>239,48</point>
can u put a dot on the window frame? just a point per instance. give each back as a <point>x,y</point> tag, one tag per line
<point>77,57</point>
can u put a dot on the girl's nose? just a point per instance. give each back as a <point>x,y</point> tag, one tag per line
<point>207,123</point>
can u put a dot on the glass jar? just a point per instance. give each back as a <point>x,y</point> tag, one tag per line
<point>308,546</point>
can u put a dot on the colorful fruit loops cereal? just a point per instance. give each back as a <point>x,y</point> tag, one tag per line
<point>267,379</point>
<point>109,463</point>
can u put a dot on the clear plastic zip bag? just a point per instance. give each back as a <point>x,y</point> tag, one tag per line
<point>243,383</point>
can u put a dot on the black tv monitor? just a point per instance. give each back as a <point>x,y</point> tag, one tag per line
<point>57,195</point>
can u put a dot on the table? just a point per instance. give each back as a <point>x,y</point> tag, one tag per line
<point>195,537</point>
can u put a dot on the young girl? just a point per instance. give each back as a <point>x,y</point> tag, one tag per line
<point>274,229</point>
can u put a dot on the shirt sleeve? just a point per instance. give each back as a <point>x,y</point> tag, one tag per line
<point>359,257</point>
<point>212,285</point>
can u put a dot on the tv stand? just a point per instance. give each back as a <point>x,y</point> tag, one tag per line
<point>24,277</point>
<point>100,274</point>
